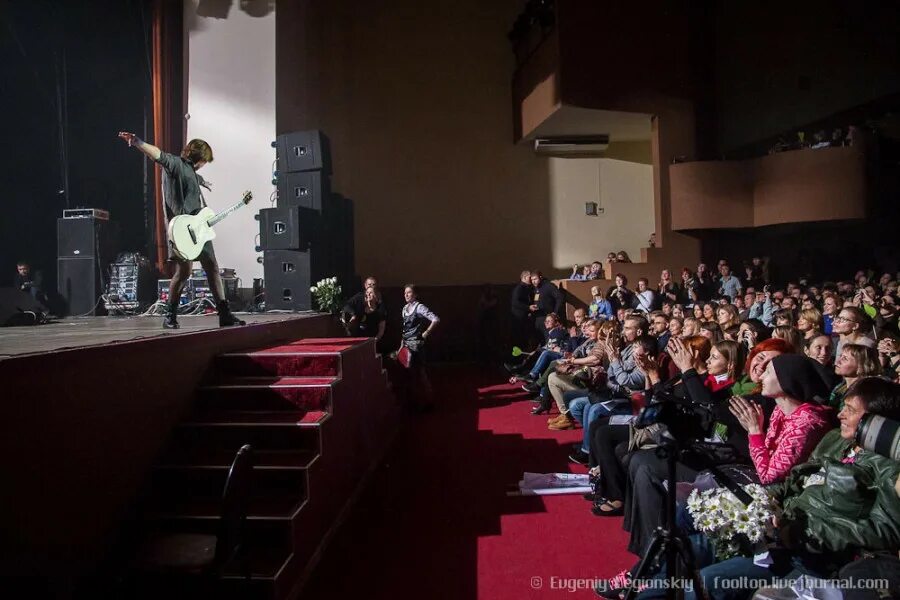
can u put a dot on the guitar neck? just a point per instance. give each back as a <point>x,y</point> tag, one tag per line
<point>224,213</point>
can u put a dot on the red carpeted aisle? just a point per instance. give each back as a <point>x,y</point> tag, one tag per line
<point>435,521</point>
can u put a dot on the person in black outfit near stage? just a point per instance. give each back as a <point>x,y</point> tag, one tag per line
<point>29,281</point>
<point>547,299</point>
<point>181,192</point>
<point>521,300</point>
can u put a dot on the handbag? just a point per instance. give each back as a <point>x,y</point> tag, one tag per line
<point>404,356</point>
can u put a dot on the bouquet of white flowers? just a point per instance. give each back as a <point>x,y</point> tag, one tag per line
<point>733,527</point>
<point>327,294</point>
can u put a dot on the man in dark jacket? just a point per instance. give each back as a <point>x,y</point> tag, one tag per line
<point>521,299</point>
<point>547,299</point>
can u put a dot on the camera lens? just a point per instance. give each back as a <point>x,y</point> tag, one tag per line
<point>880,435</point>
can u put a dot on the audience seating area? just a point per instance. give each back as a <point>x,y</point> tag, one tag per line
<point>777,375</point>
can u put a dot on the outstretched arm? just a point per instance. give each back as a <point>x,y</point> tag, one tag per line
<point>135,142</point>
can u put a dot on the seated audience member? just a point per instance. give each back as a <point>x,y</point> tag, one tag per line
<point>580,274</point>
<point>763,308</point>
<point>667,306</point>
<point>619,295</point>
<point>830,309</point>
<point>645,298</point>
<point>568,374</point>
<point>757,361</point>
<point>711,331</point>
<point>624,378</point>
<point>678,311</point>
<point>553,349</point>
<point>852,363</point>
<point>727,317</point>
<point>576,330</point>
<point>622,257</point>
<point>839,505</point>
<point>596,271</point>
<point>889,357</point>
<point>785,317</point>
<point>709,311</point>
<point>810,323</point>
<point>691,327</point>
<point>820,348</point>
<point>605,438</point>
<point>886,319</point>
<point>659,329</point>
<point>749,302</point>
<point>751,332</point>
<point>620,373</point>
<point>600,308</point>
<point>611,257</point>
<point>729,285</point>
<point>697,311</point>
<point>676,327</point>
<point>852,325</point>
<point>585,341</point>
<point>790,335</point>
<point>645,499</point>
<point>800,419</point>
<point>667,289</point>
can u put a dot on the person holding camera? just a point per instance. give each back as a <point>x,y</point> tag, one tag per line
<point>838,505</point>
<point>619,294</point>
<point>889,357</point>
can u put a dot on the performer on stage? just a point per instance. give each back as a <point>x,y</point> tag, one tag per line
<point>181,191</point>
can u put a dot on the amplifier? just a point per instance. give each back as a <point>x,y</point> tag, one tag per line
<point>200,286</point>
<point>222,273</point>
<point>130,285</point>
<point>86,213</point>
<point>162,291</point>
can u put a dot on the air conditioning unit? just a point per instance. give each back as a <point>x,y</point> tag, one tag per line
<point>569,145</point>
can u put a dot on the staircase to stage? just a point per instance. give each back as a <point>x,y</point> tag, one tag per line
<point>319,415</point>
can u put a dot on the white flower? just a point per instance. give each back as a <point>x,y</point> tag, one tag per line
<point>313,289</point>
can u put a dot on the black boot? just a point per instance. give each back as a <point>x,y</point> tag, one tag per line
<point>226,319</point>
<point>171,320</point>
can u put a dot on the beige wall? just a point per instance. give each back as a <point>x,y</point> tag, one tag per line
<point>623,189</point>
<point>415,97</point>
<point>230,83</point>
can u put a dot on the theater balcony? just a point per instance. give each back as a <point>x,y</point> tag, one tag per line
<point>799,186</point>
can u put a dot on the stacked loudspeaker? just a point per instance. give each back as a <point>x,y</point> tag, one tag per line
<point>308,234</point>
<point>83,247</point>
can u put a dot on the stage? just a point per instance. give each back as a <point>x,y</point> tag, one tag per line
<point>82,332</point>
<point>89,403</point>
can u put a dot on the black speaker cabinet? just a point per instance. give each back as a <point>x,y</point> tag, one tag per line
<point>81,237</point>
<point>78,282</point>
<point>302,151</point>
<point>302,188</point>
<point>287,228</point>
<point>288,277</point>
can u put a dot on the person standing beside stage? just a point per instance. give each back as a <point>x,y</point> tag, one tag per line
<point>418,323</point>
<point>182,195</point>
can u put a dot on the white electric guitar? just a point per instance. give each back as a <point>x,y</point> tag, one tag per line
<point>188,233</point>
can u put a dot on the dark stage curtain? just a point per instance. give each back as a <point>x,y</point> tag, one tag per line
<point>168,104</point>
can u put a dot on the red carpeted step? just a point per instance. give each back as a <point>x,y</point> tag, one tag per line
<point>268,393</point>
<point>288,361</point>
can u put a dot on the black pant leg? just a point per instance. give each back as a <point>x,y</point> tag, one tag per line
<point>603,450</point>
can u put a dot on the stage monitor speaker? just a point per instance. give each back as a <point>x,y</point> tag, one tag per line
<point>302,151</point>
<point>303,188</point>
<point>287,228</point>
<point>78,282</point>
<point>81,237</point>
<point>14,303</point>
<point>288,277</point>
